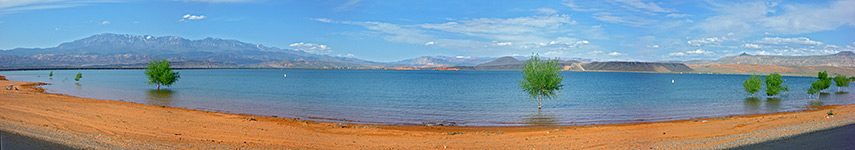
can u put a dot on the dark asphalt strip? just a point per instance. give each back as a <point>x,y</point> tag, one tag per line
<point>842,137</point>
<point>14,141</point>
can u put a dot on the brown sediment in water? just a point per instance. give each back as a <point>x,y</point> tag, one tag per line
<point>104,124</point>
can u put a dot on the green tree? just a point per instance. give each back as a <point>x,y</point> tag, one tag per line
<point>51,74</point>
<point>773,84</point>
<point>158,72</point>
<point>824,79</point>
<point>79,75</point>
<point>841,81</point>
<point>814,88</point>
<point>753,85</point>
<point>541,79</point>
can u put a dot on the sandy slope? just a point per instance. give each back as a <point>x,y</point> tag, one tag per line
<point>103,124</point>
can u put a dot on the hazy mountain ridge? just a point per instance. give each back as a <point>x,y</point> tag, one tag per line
<point>121,49</point>
<point>841,59</point>
<point>637,66</point>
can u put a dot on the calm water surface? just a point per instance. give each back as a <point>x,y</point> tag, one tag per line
<point>468,98</point>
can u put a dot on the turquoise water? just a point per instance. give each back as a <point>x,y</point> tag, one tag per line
<point>468,98</point>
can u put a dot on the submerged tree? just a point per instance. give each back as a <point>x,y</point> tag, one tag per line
<point>541,79</point>
<point>51,74</point>
<point>814,88</point>
<point>841,81</point>
<point>824,79</point>
<point>753,85</point>
<point>773,84</point>
<point>79,75</point>
<point>159,73</point>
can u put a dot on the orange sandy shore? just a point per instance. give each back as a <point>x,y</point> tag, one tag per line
<point>103,124</point>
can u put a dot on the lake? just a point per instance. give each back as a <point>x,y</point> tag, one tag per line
<point>466,98</point>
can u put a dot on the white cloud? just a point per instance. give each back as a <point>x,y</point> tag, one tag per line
<point>596,52</point>
<point>189,17</point>
<point>430,43</point>
<point>753,46</point>
<point>788,41</point>
<point>546,32</point>
<point>347,55</point>
<point>677,54</point>
<point>194,17</point>
<point>105,22</point>
<point>698,52</point>
<point>713,41</point>
<point>312,48</point>
<point>498,27</point>
<point>761,17</point>
<point>653,46</point>
<point>546,11</point>
<point>615,54</point>
<point>326,20</point>
<point>554,53</point>
<point>797,46</point>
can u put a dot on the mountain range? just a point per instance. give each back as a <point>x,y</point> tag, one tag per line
<point>120,50</point>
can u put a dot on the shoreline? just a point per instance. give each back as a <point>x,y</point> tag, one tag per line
<point>105,124</point>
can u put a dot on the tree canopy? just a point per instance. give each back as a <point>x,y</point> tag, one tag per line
<point>814,87</point>
<point>824,79</point>
<point>79,75</point>
<point>773,84</point>
<point>753,84</point>
<point>841,81</point>
<point>158,72</point>
<point>541,79</point>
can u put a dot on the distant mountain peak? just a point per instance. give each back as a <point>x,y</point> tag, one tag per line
<point>845,53</point>
<point>744,54</point>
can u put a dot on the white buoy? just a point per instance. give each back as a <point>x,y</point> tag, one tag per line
<point>284,75</point>
<point>672,81</point>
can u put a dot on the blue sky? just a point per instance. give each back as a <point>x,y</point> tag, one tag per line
<point>639,30</point>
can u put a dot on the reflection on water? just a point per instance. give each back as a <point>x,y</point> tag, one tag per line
<point>773,104</point>
<point>160,97</point>
<point>815,103</point>
<point>752,105</point>
<point>540,119</point>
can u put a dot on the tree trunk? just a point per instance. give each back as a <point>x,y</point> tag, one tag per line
<point>539,99</point>
<point>158,86</point>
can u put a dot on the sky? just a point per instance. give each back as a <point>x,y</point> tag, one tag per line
<point>634,30</point>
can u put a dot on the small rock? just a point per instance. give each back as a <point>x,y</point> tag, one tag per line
<point>252,119</point>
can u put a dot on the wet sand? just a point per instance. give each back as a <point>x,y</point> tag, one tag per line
<point>103,124</point>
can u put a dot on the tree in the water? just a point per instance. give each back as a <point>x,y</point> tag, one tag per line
<point>824,79</point>
<point>158,72</point>
<point>773,84</point>
<point>753,85</point>
<point>814,88</point>
<point>79,75</point>
<point>51,74</point>
<point>541,79</point>
<point>841,81</point>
